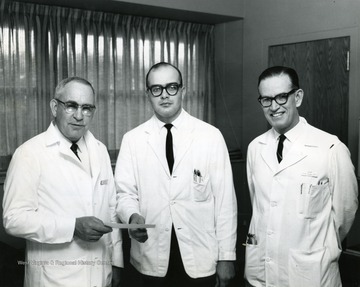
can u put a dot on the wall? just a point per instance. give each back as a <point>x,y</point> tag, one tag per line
<point>228,81</point>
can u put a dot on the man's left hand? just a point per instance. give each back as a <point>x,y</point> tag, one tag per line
<point>225,272</point>
<point>116,276</point>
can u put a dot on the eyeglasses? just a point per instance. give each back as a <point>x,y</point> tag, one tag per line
<point>280,99</point>
<point>72,107</point>
<point>172,89</point>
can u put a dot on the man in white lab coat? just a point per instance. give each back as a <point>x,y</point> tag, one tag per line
<point>181,181</point>
<point>303,191</point>
<point>59,191</point>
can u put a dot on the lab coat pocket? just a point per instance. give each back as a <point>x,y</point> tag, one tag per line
<point>201,190</point>
<point>305,267</point>
<point>312,199</point>
<point>252,262</point>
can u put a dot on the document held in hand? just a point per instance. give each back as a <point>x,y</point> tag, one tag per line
<point>128,226</point>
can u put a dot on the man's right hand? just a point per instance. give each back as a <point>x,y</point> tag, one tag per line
<point>139,234</point>
<point>90,228</point>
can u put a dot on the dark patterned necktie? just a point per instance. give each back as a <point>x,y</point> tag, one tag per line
<point>280,148</point>
<point>74,147</point>
<point>169,147</point>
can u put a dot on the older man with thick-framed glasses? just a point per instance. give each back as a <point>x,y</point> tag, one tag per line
<point>60,192</point>
<point>303,191</point>
<point>174,171</point>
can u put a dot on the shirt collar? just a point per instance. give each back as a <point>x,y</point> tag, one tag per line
<point>293,134</point>
<point>63,140</point>
<point>176,123</point>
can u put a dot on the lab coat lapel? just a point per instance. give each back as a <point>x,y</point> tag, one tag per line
<point>184,140</point>
<point>52,137</point>
<point>295,154</point>
<point>94,159</point>
<point>268,154</point>
<point>155,143</point>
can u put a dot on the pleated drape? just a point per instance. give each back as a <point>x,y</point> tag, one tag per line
<point>40,45</point>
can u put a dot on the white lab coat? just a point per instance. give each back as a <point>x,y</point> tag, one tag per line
<point>302,210</point>
<point>46,188</point>
<point>204,214</point>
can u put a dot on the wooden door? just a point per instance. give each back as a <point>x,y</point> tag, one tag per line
<point>322,66</point>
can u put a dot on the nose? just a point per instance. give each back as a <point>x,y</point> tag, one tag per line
<point>78,114</point>
<point>165,94</point>
<point>274,105</point>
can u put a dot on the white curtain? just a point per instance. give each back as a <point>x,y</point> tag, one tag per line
<point>40,45</point>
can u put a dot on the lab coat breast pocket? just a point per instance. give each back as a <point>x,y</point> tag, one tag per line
<point>312,199</point>
<point>201,190</point>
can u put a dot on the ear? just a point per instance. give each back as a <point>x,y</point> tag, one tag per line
<point>53,107</point>
<point>183,92</point>
<point>299,97</point>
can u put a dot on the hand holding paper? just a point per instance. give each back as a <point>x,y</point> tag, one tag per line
<point>139,234</point>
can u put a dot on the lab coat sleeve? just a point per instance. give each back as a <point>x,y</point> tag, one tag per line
<point>249,172</point>
<point>225,200</point>
<point>344,188</point>
<point>116,236</point>
<point>126,187</point>
<point>21,215</point>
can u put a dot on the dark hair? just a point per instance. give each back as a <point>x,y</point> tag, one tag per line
<point>280,70</point>
<point>64,82</point>
<point>159,65</point>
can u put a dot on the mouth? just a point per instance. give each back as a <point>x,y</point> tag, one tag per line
<point>277,114</point>
<point>77,126</point>
<point>166,104</point>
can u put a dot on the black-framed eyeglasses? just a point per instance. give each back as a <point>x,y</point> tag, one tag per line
<point>280,99</point>
<point>72,107</point>
<point>172,89</point>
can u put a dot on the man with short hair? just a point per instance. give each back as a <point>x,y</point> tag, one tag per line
<point>303,192</point>
<point>174,171</point>
<point>59,192</point>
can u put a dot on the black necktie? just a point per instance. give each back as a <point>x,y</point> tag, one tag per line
<point>280,148</point>
<point>74,147</point>
<point>169,147</point>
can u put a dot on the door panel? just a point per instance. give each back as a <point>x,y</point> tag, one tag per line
<point>324,77</point>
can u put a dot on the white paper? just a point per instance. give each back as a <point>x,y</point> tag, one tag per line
<point>128,226</point>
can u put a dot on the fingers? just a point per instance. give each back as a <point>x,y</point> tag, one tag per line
<point>90,228</point>
<point>139,234</point>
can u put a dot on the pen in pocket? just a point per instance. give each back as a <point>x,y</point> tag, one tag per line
<point>251,239</point>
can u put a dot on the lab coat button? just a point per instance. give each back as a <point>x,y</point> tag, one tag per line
<point>273,204</point>
<point>270,232</point>
<point>166,229</point>
<point>172,202</point>
<point>267,259</point>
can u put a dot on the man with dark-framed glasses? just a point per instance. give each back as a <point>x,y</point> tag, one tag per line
<point>303,192</point>
<point>174,171</point>
<point>60,192</point>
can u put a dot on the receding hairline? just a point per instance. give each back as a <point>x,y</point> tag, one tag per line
<point>62,84</point>
<point>159,66</point>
